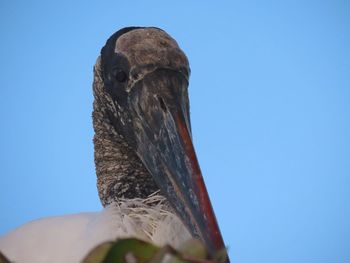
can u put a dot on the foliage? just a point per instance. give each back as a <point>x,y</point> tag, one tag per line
<point>132,250</point>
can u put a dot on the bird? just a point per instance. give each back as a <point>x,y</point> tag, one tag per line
<point>148,177</point>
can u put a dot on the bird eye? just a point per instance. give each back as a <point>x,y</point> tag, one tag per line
<point>120,76</point>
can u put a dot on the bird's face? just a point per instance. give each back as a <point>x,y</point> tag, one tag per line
<point>145,76</point>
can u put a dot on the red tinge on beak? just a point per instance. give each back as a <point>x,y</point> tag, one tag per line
<point>207,226</point>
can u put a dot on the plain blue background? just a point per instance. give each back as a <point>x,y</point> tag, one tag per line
<point>270,108</point>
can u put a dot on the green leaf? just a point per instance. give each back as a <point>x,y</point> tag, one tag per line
<point>131,250</point>
<point>221,256</point>
<point>98,254</point>
<point>193,248</point>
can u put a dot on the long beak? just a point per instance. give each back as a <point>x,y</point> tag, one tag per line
<point>162,139</point>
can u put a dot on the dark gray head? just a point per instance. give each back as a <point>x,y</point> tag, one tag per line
<point>143,138</point>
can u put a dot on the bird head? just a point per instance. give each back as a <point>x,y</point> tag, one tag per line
<point>145,77</point>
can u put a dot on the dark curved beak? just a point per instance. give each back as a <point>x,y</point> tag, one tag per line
<point>162,140</point>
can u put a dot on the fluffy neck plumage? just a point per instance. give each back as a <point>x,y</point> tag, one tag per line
<point>120,173</point>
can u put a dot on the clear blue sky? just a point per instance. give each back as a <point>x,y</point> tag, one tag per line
<point>270,109</point>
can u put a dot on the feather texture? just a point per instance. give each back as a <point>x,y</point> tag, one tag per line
<point>69,238</point>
